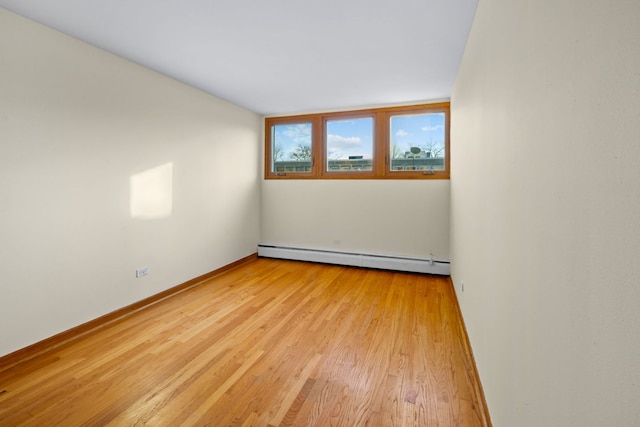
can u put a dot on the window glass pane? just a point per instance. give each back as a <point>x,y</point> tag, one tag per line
<point>291,147</point>
<point>417,142</point>
<point>350,144</point>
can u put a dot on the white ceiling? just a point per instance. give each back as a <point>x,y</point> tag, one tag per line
<point>279,56</point>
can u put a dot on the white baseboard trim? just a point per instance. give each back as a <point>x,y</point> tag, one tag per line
<point>384,262</point>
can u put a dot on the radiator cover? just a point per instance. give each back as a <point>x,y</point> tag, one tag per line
<point>384,262</point>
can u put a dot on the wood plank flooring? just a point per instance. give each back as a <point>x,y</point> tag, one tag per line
<point>272,343</point>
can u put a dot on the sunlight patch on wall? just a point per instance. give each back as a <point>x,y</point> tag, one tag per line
<point>152,193</point>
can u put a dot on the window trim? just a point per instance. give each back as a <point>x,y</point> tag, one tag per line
<point>381,162</point>
<point>268,158</point>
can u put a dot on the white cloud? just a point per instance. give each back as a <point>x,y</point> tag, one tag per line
<point>338,142</point>
<point>402,132</point>
<point>432,128</point>
<point>299,133</point>
<point>340,147</point>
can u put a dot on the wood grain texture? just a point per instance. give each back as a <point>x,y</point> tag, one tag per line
<point>70,335</point>
<point>271,343</point>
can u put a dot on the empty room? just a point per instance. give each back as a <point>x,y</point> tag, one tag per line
<point>346,213</point>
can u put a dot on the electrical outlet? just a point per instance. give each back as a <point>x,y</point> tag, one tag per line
<point>141,272</point>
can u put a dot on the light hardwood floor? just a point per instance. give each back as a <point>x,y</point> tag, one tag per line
<point>268,344</point>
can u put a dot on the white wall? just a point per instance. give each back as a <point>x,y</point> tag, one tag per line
<point>76,123</point>
<point>390,217</point>
<point>545,194</point>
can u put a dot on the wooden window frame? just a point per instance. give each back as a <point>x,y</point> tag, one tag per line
<point>381,145</point>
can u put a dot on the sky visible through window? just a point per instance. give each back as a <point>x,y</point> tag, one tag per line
<point>352,137</point>
<point>288,140</point>
<point>425,131</point>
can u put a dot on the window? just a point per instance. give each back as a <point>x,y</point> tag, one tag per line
<point>417,142</point>
<point>410,142</point>
<point>349,144</point>
<point>291,147</point>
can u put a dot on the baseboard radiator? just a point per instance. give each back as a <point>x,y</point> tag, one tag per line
<point>384,262</point>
